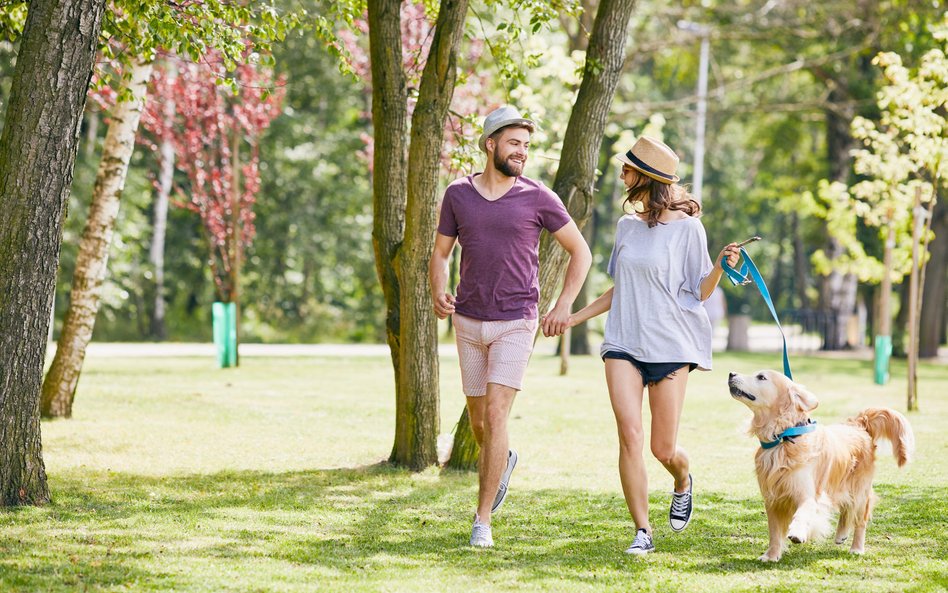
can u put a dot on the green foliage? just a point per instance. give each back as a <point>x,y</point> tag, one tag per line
<point>905,153</point>
<point>231,504</point>
<point>12,19</point>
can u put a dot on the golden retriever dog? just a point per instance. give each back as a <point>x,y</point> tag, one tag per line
<point>804,478</point>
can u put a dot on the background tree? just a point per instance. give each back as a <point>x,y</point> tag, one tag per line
<point>146,28</point>
<point>54,66</point>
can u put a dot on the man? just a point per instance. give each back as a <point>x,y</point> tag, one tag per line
<point>497,217</point>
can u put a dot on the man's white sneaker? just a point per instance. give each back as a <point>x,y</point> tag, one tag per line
<point>480,534</point>
<point>504,480</point>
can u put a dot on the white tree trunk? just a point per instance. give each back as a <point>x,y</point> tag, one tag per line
<point>159,230</point>
<point>59,387</point>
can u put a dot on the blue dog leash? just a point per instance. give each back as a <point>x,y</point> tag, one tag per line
<point>747,274</point>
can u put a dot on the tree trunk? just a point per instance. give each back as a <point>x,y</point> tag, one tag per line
<point>577,171</point>
<point>838,293</point>
<point>579,335</point>
<point>418,416</point>
<point>933,294</point>
<point>389,172</point>
<point>59,387</point>
<point>37,155</point>
<point>156,254</point>
<point>800,276</point>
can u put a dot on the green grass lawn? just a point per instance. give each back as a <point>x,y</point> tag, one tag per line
<point>175,476</point>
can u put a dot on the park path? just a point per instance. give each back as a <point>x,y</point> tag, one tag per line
<point>762,338</point>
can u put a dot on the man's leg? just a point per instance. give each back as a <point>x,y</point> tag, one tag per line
<point>494,446</point>
<point>476,410</point>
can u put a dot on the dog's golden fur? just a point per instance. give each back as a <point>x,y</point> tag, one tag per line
<point>807,477</point>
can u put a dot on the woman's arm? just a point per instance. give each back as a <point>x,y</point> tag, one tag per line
<point>597,307</point>
<point>731,251</point>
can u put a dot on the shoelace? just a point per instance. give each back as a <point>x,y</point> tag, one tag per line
<point>680,502</point>
<point>481,531</point>
<point>642,540</point>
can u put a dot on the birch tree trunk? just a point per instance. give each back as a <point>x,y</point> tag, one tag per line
<point>59,387</point>
<point>417,410</point>
<point>156,254</point>
<point>37,155</point>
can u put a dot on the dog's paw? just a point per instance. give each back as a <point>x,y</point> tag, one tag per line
<point>768,557</point>
<point>857,551</point>
<point>797,538</point>
<point>841,539</point>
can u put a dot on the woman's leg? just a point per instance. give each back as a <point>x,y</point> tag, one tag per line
<point>666,400</point>
<point>625,392</point>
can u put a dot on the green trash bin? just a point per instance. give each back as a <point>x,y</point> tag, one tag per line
<point>225,333</point>
<point>883,354</point>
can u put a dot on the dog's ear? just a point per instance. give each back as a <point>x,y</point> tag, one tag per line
<point>803,398</point>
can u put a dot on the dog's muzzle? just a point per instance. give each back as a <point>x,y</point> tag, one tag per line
<point>737,392</point>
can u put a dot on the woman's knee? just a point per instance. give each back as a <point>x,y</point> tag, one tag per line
<point>631,439</point>
<point>665,453</point>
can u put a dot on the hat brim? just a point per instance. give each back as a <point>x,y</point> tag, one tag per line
<point>625,161</point>
<point>517,121</point>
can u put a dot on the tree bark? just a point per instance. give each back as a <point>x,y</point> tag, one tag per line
<point>838,294</point>
<point>576,174</point>
<point>389,172</point>
<point>156,254</point>
<point>577,171</point>
<point>37,155</point>
<point>933,293</point>
<point>800,275</point>
<point>59,387</point>
<point>416,432</point>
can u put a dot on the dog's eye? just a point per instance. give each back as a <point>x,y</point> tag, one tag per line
<point>761,377</point>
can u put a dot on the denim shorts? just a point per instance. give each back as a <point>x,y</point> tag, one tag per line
<point>652,372</point>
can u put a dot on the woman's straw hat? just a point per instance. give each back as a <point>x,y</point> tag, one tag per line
<point>652,158</point>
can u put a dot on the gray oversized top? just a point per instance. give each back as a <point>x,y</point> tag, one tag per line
<point>657,314</point>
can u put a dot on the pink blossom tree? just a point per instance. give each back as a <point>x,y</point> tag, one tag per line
<point>211,128</point>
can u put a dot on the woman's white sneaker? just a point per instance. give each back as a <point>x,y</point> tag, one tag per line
<point>642,544</point>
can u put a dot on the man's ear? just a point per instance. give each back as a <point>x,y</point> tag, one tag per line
<point>803,398</point>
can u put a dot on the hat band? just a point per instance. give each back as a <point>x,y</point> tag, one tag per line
<point>642,165</point>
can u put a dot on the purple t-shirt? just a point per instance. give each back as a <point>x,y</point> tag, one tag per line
<point>500,246</point>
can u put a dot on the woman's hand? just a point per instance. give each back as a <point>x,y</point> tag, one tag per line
<point>732,252</point>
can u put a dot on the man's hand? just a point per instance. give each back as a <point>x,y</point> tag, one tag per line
<point>444,305</point>
<point>556,321</point>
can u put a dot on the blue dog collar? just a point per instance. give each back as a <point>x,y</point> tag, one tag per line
<point>793,431</point>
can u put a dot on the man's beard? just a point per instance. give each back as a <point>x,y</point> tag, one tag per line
<point>506,167</point>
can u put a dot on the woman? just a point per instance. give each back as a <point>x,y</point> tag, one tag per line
<point>657,330</point>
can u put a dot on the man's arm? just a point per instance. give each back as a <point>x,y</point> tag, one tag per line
<point>438,275</point>
<point>557,320</point>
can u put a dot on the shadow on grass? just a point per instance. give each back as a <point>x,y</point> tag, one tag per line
<point>375,523</point>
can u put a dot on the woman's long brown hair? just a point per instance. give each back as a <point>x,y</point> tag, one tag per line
<point>661,197</point>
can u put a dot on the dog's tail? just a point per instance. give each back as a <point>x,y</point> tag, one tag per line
<point>886,423</point>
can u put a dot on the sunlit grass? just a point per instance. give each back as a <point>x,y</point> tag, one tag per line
<point>176,476</point>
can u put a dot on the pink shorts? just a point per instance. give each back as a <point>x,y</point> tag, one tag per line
<point>493,352</point>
